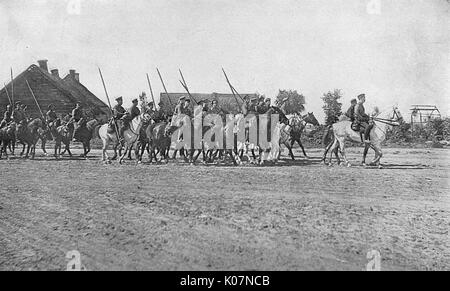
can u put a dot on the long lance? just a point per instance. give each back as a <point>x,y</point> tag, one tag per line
<point>232,88</point>
<point>34,97</point>
<point>164,86</point>
<point>7,94</point>
<point>12,86</point>
<point>109,103</point>
<point>151,91</point>
<point>186,87</point>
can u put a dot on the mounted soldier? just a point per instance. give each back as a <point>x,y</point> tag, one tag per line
<point>187,108</point>
<point>261,108</point>
<point>249,105</point>
<point>78,119</point>
<point>25,113</point>
<point>179,109</point>
<point>351,110</point>
<point>7,117</point>
<point>128,116</point>
<point>17,114</point>
<point>362,120</point>
<point>51,117</point>
<point>118,113</point>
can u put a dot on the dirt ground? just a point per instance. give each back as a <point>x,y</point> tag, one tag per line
<point>294,216</point>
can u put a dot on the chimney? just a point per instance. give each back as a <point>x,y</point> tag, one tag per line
<point>43,65</point>
<point>77,77</point>
<point>55,73</point>
<point>72,74</point>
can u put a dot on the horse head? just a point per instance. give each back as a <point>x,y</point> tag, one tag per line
<point>311,119</point>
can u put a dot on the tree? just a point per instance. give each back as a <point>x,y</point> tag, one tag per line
<point>291,101</point>
<point>332,107</point>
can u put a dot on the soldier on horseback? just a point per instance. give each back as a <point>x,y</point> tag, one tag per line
<point>187,108</point>
<point>128,116</point>
<point>249,105</point>
<point>351,110</point>
<point>19,117</point>
<point>51,117</point>
<point>78,118</point>
<point>362,119</point>
<point>7,117</point>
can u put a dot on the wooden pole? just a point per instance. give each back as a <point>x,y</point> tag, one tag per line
<point>12,86</point>
<point>109,103</point>
<point>164,86</point>
<point>151,91</point>
<point>7,94</point>
<point>34,97</point>
<point>186,87</point>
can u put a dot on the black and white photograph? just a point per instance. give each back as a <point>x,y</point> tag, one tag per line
<point>244,136</point>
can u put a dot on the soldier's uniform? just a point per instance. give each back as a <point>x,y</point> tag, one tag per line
<point>80,121</point>
<point>118,111</point>
<point>187,108</point>
<point>362,119</point>
<point>351,111</point>
<point>18,115</point>
<point>7,117</point>
<point>129,115</point>
<point>179,108</point>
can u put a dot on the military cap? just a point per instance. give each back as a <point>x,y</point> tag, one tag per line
<point>135,100</point>
<point>268,99</point>
<point>214,101</point>
<point>188,100</point>
<point>18,103</point>
<point>119,99</point>
<point>182,98</point>
<point>50,106</point>
<point>361,96</point>
<point>353,101</point>
<point>253,98</point>
<point>246,97</point>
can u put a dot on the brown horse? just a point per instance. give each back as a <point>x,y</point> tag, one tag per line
<point>86,133</point>
<point>298,125</point>
<point>7,136</point>
<point>28,135</point>
<point>159,138</point>
<point>63,134</point>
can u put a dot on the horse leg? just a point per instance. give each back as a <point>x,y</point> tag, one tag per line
<point>129,152</point>
<point>289,147</point>
<point>67,148</point>
<point>124,154</point>
<point>23,148</point>
<point>366,150</point>
<point>44,141</point>
<point>301,146</point>
<point>342,150</point>
<point>379,155</point>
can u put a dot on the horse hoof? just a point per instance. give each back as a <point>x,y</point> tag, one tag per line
<point>380,167</point>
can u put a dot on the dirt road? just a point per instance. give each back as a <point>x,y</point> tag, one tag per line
<point>294,216</point>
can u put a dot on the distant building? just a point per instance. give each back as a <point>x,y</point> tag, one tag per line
<point>49,88</point>
<point>227,102</point>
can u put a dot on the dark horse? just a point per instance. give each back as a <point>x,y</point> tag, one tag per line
<point>85,135</point>
<point>7,137</point>
<point>298,125</point>
<point>28,135</point>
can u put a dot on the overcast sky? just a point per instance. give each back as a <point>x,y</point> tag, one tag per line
<point>397,52</point>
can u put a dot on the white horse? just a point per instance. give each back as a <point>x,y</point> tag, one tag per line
<point>131,136</point>
<point>342,131</point>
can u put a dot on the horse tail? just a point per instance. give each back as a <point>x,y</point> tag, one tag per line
<point>328,137</point>
<point>96,130</point>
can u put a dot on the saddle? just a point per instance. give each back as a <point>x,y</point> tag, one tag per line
<point>358,126</point>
